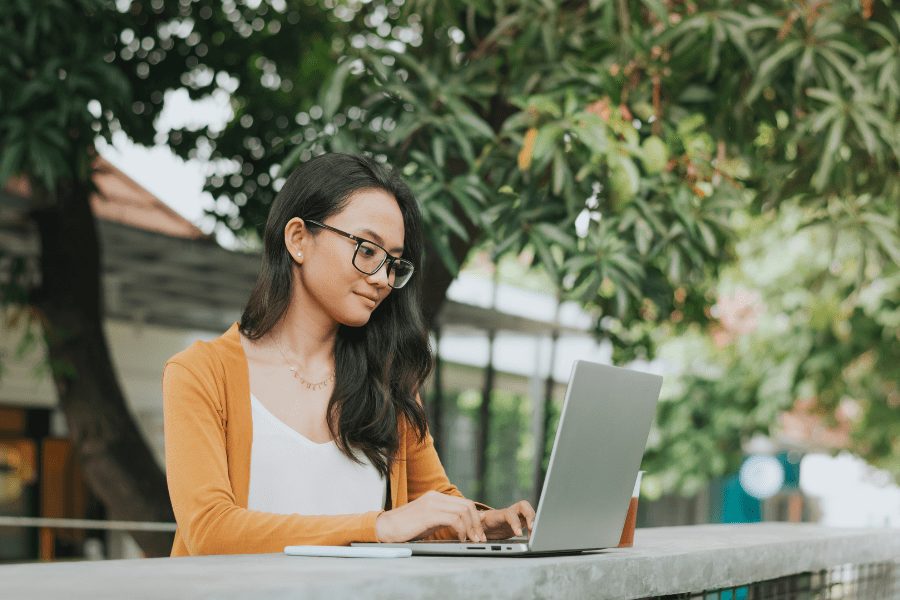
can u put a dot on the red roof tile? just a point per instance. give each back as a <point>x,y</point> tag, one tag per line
<point>120,199</point>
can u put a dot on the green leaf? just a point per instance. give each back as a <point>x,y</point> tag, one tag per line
<point>543,251</point>
<point>449,220</point>
<point>580,262</point>
<point>439,150</point>
<point>714,50</point>
<point>832,143</point>
<point>330,98</point>
<point>821,119</point>
<point>739,39</point>
<point>769,65</point>
<point>519,120</point>
<point>888,242</point>
<point>548,37</point>
<point>465,199</point>
<point>442,247</point>
<point>544,105</point>
<point>709,238</point>
<point>839,65</point>
<point>477,124</point>
<point>560,170</point>
<point>657,9</point>
<point>593,135</point>
<point>555,234</point>
<point>866,133</point>
<point>373,61</point>
<point>804,66</point>
<point>847,49</point>
<point>408,124</point>
<point>643,236</point>
<point>11,161</point>
<point>696,93</point>
<point>587,285</point>
<point>291,160</point>
<point>462,142</point>
<point>432,83</point>
<point>511,242</point>
<point>824,95</point>
<point>675,267</point>
<point>546,141</point>
<point>762,22</point>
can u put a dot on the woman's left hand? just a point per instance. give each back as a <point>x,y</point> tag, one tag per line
<point>502,523</point>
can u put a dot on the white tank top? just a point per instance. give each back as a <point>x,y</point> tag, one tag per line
<point>289,473</point>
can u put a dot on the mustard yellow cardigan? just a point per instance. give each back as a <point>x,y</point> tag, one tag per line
<point>208,433</point>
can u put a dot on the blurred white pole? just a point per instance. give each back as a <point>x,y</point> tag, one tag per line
<point>85,524</point>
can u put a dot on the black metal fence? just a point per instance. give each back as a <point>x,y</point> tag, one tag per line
<point>876,581</point>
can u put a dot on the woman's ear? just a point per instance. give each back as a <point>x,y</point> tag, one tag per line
<point>295,238</point>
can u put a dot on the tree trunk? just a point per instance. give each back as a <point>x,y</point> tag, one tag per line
<point>116,460</point>
<point>437,277</point>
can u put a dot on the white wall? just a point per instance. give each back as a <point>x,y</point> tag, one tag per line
<point>138,353</point>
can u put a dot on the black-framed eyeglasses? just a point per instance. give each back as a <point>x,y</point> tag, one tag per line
<point>369,257</point>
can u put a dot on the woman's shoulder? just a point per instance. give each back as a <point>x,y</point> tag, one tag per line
<point>220,354</point>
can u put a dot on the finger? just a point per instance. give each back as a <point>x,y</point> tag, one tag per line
<point>476,523</point>
<point>512,517</point>
<point>528,512</point>
<point>456,521</point>
<point>467,511</point>
<point>425,534</point>
<point>448,516</point>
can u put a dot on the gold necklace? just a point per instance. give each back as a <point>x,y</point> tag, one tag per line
<point>296,374</point>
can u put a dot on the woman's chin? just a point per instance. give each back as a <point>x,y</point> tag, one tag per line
<point>355,320</point>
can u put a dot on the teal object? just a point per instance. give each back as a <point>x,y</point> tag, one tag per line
<point>737,505</point>
<point>791,463</point>
<point>736,594</point>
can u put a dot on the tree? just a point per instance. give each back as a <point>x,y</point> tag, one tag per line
<point>656,125</point>
<point>805,324</point>
<point>69,72</point>
<point>825,155</point>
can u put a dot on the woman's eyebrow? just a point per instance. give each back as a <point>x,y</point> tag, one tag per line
<point>380,240</point>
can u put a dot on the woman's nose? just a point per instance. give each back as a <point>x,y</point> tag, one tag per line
<point>379,277</point>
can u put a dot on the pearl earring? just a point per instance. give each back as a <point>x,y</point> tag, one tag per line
<point>299,255</point>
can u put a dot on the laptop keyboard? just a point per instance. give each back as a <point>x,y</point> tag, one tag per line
<point>522,539</point>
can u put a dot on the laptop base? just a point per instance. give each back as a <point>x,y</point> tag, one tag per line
<point>450,548</point>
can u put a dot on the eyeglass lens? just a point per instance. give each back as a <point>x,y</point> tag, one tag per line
<point>370,257</point>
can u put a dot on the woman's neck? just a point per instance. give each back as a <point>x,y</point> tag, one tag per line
<point>306,336</point>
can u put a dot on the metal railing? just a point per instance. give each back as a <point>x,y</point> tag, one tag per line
<point>85,524</point>
<point>875,581</point>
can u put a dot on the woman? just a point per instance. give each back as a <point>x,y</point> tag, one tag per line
<point>302,424</point>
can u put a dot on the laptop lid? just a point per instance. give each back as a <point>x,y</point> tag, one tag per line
<point>600,440</point>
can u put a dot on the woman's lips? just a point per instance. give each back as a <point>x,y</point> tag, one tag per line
<point>369,301</point>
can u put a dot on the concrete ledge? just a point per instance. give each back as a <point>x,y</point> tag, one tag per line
<point>665,560</point>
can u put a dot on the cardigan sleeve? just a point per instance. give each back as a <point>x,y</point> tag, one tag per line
<point>207,516</point>
<point>424,473</point>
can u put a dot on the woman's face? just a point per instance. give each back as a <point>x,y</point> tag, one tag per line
<point>326,270</point>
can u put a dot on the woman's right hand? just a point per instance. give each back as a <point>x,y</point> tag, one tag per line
<point>431,511</point>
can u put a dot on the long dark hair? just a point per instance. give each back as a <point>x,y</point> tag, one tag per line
<point>381,366</point>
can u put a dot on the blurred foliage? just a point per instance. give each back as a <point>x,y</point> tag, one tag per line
<point>510,471</point>
<point>817,321</point>
<point>75,70</point>
<point>617,142</point>
<point>646,123</point>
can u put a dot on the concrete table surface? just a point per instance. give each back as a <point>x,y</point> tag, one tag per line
<point>665,560</point>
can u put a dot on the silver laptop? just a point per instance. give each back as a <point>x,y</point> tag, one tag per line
<point>598,448</point>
